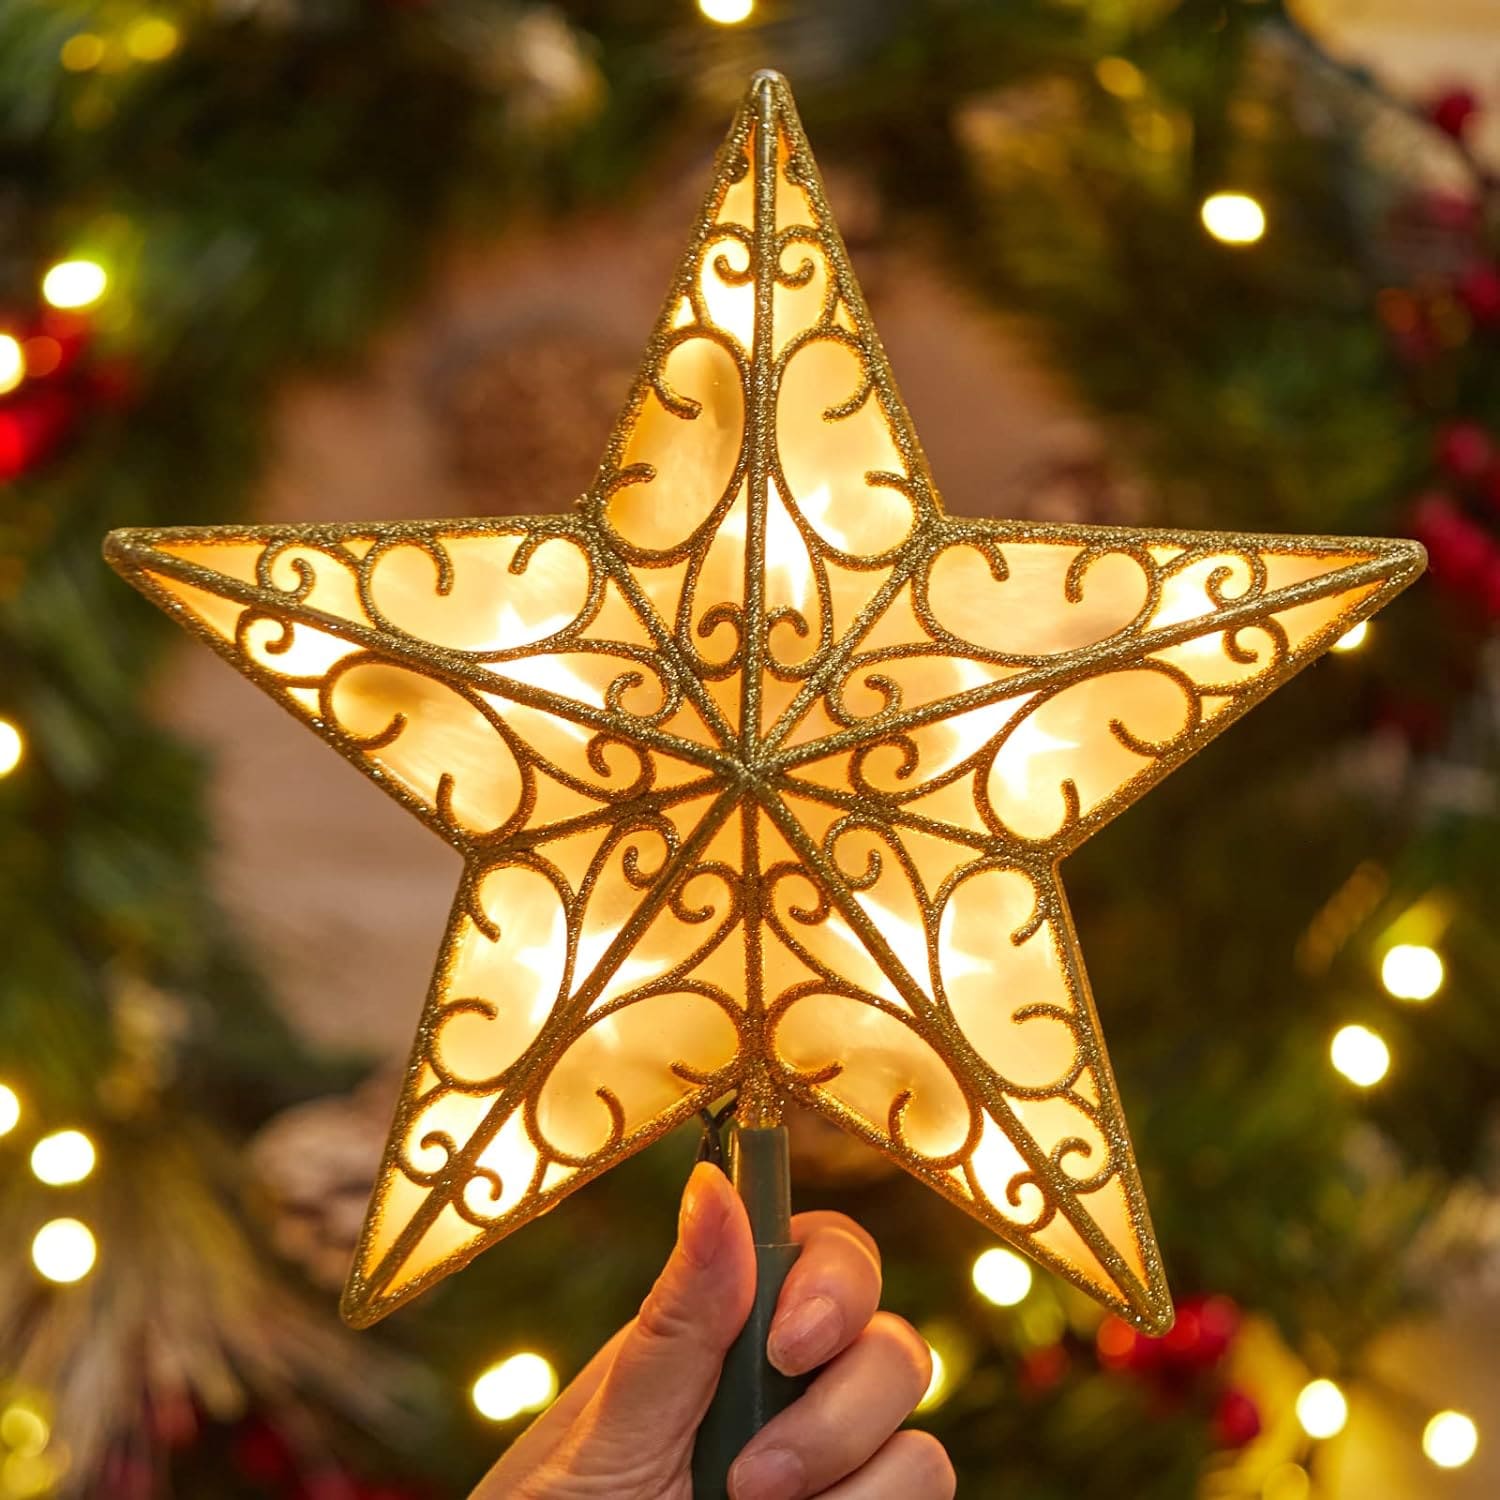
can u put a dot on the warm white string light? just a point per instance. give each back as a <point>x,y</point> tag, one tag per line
<point>1002,1277</point>
<point>1450,1439</point>
<point>12,363</point>
<point>75,283</point>
<point>1233,218</point>
<point>1412,971</point>
<point>1322,1409</point>
<point>525,1382</point>
<point>12,747</point>
<point>727,12</point>
<point>937,1387</point>
<point>64,1250</point>
<point>62,1158</point>
<point>1361,1055</point>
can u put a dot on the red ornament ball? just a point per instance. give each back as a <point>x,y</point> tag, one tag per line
<point>1465,450</point>
<point>1217,1321</point>
<point>1452,111</point>
<point>1120,1347</point>
<point>1236,1419</point>
<point>1459,548</point>
<point>1479,291</point>
<point>32,425</point>
<point>1202,1334</point>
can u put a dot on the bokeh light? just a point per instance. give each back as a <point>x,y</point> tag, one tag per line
<point>727,12</point>
<point>64,1250</point>
<point>1360,1055</point>
<point>1353,638</point>
<point>62,1158</point>
<point>29,1476</point>
<point>12,363</point>
<point>43,355</point>
<point>23,1429</point>
<point>152,38</point>
<point>937,1387</point>
<point>10,1108</point>
<point>1233,218</point>
<point>524,1382</point>
<point>81,52</point>
<point>74,283</point>
<point>1120,77</point>
<point>1412,971</point>
<point>1322,1409</point>
<point>12,747</point>
<point>1002,1277</point>
<point>1450,1440</point>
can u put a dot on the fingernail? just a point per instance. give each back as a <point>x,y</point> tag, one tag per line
<point>700,1225</point>
<point>805,1336</point>
<point>772,1474</point>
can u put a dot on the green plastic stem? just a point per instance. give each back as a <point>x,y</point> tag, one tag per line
<point>751,1390</point>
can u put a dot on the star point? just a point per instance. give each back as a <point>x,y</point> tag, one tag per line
<point>762,766</point>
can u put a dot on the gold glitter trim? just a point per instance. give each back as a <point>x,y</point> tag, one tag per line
<point>729,726</point>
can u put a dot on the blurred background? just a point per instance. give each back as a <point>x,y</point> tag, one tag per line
<point>1182,262</point>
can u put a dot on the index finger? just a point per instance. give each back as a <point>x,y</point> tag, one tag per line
<point>829,1295</point>
<point>807,1224</point>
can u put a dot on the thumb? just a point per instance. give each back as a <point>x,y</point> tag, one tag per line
<point>668,1363</point>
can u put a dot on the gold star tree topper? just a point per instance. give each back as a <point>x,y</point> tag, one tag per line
<point>762,766</point>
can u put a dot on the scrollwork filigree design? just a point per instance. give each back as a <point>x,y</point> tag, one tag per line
<point>761,765</point>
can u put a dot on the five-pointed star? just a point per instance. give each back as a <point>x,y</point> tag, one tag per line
<point>762,766</point>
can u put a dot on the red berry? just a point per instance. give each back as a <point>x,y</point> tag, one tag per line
<point>1120,1346</point>
<point>1452,111</point>
<point>1218,1321</point>
<point>1479,291</point>
<point>1180,1343</point>
<point>1465,450</point>
<point>1463,556</point>
<point>1236,1419</point>
<point>1459,548</point>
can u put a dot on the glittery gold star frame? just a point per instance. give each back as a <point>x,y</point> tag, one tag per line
<point>761,766</point>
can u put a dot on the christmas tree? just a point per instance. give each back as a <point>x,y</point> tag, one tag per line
<point>1273,283</point>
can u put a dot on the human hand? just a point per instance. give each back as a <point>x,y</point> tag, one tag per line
<point>624,1429</point>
